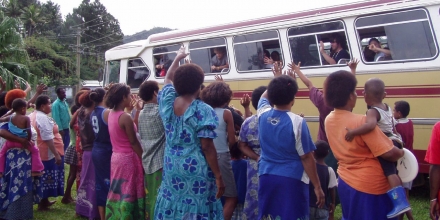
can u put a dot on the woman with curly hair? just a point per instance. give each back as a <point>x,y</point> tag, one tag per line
<point>218,95</point>
<point>191,172</point>
<point>86,200</point>
<point>126,198</point>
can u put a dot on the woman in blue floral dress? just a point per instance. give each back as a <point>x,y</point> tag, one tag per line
<point>190,173</point>
<point>249,144</point>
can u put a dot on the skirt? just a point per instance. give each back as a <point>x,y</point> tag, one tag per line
<point>282,198</point>
<point>250,209</point>
<point>86,198</point>
<point>101,156</point>
<point>152,184</point>
<point>362,206</point>
<point>53,178</point>
<point>71,157</point>
<point>126,198</point>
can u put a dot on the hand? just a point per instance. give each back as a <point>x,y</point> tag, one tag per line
<point>320,197</point>
<point>41,88</point>
<point>290,73</point>
<point>373,48</point>
<point>181,54</point>
<point>220,187</point>
<point>349,136</point>
<point>302,115</point>
<point>353,64</point>
<point>245,101</point>
<point>138,103</point>
<point>57,159</point>
<point>25,143</point>
<point>159,66</point>
<point>434,210</point>
<point>321,47</point>
<point>277,70</point>
<point>188,61</point>
<point>17,84</point>
<point>218,78</point>
<point>61,132</point>
<point>331,208</point>
<point>268,60</point>
<point>295,68</point>
<point>31,105</point>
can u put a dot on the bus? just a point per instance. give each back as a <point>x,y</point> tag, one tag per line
<point>408,29</point>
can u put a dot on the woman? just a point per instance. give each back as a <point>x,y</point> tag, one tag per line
<point>86,199</point>
<point>102,149</point>
<point>191,172</point>
<point>249,144</point>
<point>380,53</point>
<point>50,144</point>
<point>126,198</point>
<point>362,189</point>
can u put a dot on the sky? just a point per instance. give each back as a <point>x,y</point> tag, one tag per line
<point>138,15</point>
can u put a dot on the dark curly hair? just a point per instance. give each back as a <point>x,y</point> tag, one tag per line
<point>84,99</point>
<point>338,87</point>
<point>3,110</point>
<point>17,104</point>
<point>322,149</point>
<point>73,109</point>
<point>41,100</point>
<point>402,107</point>
<point>12,95</point>
<point>256,95</point>
<point>97,95</point>
<point>147,89</point>
<point>116,94</point>
<point>188,78</point>
<point>2,98</point>
<point>282,90</point>
<point>217,94</point>
<point>58,90</point>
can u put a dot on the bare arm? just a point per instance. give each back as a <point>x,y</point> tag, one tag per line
<point>332,199</point>
<point>353,65</point>
<point>28,128</point>
<point>208,149</point>
<point>434,186</point>
<point>227,116</point>
<point>127,124</point>
<point>73,120</point>
<point>14,138</point>
<point>5,118</point>
<point>51,147</point>
<point>181,54</point>
<point>245,102</point>
<point>39,91</point>
<point>304,79</point>
<point>393,155</point>
<point>370,124</point>
<point>244,147</point>
<point>309,165</point>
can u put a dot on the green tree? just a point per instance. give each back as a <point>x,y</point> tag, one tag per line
<point>32,17</point>
<point>13,56</point>
<point>53,19</point>
<point>12,9</point>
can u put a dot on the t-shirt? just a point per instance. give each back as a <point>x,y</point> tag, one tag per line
<point>342,54</point>
<point>358,163</point>
<point>327,178</point>
<point>433,152</point>
<point>317,98</point>
<point>284,138</point>
<point>405,128</point>
<point>216,62</point>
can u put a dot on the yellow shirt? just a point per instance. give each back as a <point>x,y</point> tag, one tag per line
<point>358,165</point>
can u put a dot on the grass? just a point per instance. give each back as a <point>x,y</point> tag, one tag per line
<point>419,199</point>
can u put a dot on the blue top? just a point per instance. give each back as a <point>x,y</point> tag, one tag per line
<point>239,167</point>
<point>100,127</point>
<point>284,138</point>
<point>188,184</point>
<point>20,132</point>
<point>221,141</point>
<point>60,113</point>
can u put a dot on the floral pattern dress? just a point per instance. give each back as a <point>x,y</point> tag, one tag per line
<point>188,186</point>
<point>249,135</point>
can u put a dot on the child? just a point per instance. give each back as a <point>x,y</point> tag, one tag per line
<point>327,177</point>
<point>381,114</point>
<point>405,128</point>
<point>20,125</point>
<point>239,167</point>
<point>218,95</point>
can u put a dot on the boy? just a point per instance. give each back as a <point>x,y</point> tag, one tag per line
<point>327,177</point>
<point>405,128</point>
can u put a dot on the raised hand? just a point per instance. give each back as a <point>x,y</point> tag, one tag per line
<point>188,61</point>
<point>321,47</point>
<point>268,60</point>
<point>353,64</point>
<point>373,47</point>
<point>41,88</point>
<point>218,78</point>
<point>138,103</point>
<point>277,70</point>
<point>16,84</point>
<point>245,101</point>
<point>181,54</point>
<point>290,73</point>
<point>295,68</point>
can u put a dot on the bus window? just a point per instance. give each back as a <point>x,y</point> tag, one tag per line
<point>257,51</point>
<point>305,44</point>
<point>137,73</point>
<point>113,70</point>
<point>163,56</point>
<point>210,54</point>
<point>397,36</point>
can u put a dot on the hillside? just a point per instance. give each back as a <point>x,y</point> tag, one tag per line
<point>144,34</point>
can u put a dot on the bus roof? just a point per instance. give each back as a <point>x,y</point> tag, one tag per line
<point>133,49</point>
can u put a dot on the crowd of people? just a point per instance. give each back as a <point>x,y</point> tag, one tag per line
<point>182,152</point>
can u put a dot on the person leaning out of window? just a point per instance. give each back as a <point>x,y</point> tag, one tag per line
<point>220,60</point>
<point>337,50</point>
